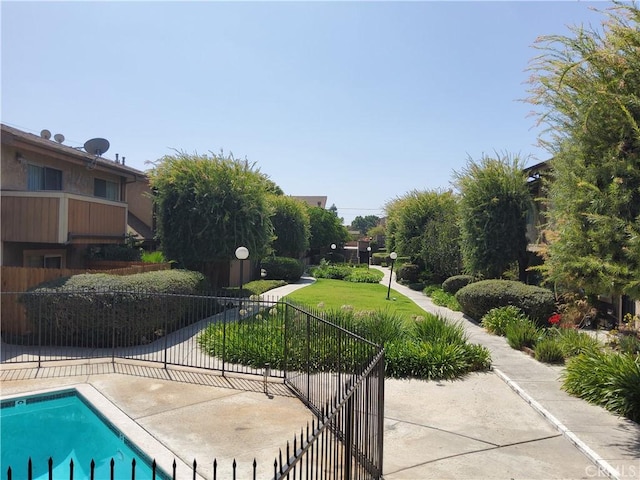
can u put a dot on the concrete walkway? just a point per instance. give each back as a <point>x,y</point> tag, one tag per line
<point>530,427</point>
<point>511,423</point>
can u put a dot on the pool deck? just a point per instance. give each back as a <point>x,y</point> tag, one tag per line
<point>511,423</point>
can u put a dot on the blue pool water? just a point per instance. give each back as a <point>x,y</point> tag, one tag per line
<point>64,426</point>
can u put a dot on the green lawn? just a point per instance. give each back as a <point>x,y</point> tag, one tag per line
<point>362,296</point>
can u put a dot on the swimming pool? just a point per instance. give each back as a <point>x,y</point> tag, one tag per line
<point>64,425</point>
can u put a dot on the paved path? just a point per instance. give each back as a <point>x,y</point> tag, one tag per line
<point>610,442</point>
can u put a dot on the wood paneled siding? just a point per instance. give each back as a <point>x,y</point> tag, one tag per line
<point>91,222</point>
<point>61,218</point>
<point>30,219</point>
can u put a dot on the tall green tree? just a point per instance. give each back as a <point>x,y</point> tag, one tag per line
<point>207,206</point>
<point>326,229</point>
<point>493,212</point>
<point>364,224</point>
<point>425,228</point>
<point>586,88</point>
<point>291,226</point>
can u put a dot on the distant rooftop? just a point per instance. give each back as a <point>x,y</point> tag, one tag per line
<point>312,201</point>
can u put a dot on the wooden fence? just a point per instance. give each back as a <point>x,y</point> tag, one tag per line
<point>20,279</point>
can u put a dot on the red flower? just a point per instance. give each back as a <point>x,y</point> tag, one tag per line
<point>555,319</point>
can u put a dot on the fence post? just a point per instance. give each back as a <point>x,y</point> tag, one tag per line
<point>224,339</point>
<point>380,409</point>
<point>286,337</point>
<point>308,356</point>
<point>348,437</point>
<point>166,331</point>
<point>39,330</point>
<point>113,329</point>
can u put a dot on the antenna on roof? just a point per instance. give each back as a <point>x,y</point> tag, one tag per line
<point>58,137</point>
<point>96,146</point>
<point>46,134</point>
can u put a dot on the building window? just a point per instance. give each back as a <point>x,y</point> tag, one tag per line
<point>43,261</point>
<point>105,189</point>
<point>43,178</point>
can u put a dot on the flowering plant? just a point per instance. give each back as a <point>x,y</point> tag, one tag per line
<point>555,319</point>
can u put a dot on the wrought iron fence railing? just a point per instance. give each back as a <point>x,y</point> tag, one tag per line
<point>337,374</point>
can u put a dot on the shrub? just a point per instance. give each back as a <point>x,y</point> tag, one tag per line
<point>364,275</point>
<point>476,299</point>
<point>282,268</point>
<point>125,253</point>
<point>330,270</point>
<point>453,284</point>
<point>379,258</point>
<point>549,350</point>
<point>573,343</point>
<point>101,310</point>
<point>629,344</point>
<point>258,287</point>
<point>522,333</point>
<point>434,328</point>
<point>608,379</point>
<point>444,299</point>
<point>497,319</point>
<point>408,273</point>
<point>153,257</point>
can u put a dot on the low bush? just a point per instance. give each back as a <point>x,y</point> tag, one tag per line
<point>629,344</point>
<point>379,258</point>
<point>408,273</point>
<point>549,350</point>
<point>349,273</point>
<point>258,287</point>
<point>608,379</point>
<point>430,348</point>
<point>282,268</point>
<point>453,284</point>
<point>153,257</point>
<point>364,275</point>
<point>444,299</point>
<point>476,299</point>
<point>101,310</point>
<point>522,333</point>
<point>496,320</point>
<point>573,342</point>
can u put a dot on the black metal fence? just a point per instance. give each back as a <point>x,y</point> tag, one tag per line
<point>337,374</point>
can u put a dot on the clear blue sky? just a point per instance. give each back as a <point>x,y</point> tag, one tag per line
<point>359,101</point>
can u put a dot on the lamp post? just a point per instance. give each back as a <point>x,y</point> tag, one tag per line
<point>333,250</point>
<point>369,257</point>
<point>242,253</point>
<point>392,256</point>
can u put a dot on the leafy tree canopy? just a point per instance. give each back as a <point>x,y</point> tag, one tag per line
<point>208,205</point>
<point>291,226</point>
<point>493,211</point>
<point>364,224</point>
<point>586,87</point>
<point>326,228</point>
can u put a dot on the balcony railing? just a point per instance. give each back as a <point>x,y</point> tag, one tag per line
<point>61,218</point>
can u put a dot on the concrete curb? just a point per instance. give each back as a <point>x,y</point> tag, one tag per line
<point>603,465</point>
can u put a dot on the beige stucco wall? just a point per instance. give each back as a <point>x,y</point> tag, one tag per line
<point>140,200</point>
<point>75,178</point>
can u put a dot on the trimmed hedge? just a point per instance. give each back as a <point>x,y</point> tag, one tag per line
<point>453,284</point>
<point>408,273</point>
<point>476,299</point>
<point>282,268</point>
<point>101,310</point>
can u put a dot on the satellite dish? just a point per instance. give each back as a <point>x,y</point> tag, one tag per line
<point>96,146</point>
<point>58,137</point>
<point>46,134</point>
